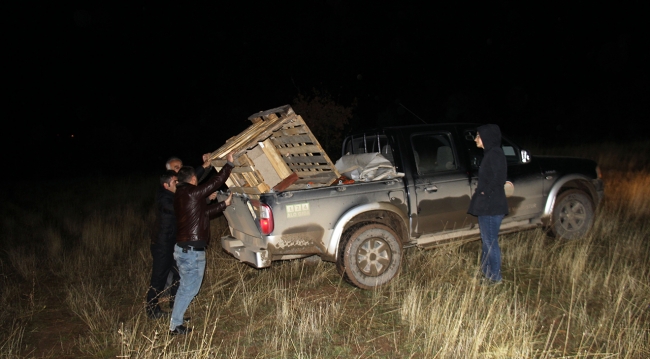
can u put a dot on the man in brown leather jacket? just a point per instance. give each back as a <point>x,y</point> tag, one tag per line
<point>193,215</point>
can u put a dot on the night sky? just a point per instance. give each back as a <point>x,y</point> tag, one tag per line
<point>99,88</point>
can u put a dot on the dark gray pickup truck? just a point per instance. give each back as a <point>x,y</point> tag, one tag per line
<point>364,226</point>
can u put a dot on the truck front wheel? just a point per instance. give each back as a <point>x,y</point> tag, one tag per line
<point>573,215</point>
<point>370,255</point>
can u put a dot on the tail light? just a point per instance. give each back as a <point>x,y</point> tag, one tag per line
<point>266,217</point>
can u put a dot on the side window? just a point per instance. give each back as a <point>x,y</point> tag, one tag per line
<point>510,151</point>
<point>433,153</point>
<point>476,154</point>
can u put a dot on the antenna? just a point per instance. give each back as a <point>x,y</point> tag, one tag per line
<point>412,113</point>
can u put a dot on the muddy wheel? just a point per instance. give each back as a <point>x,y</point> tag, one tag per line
<point>573,215</point>
<point>370,255</point>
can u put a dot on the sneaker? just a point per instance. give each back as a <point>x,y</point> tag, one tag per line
<point>181,329</point>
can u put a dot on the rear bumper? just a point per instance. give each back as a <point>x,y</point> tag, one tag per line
<point>258,258</point>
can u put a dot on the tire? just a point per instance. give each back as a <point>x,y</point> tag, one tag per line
<point>370,255</point>
<point>573,215</point>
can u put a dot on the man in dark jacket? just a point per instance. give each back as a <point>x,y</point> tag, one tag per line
<point>164,273</point>
<point>163,239</point>
<point>193,215</point>
<point>489,200</point>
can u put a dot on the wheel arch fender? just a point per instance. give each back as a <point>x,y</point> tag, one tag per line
<point>390,213</point>
<point>572,181</point>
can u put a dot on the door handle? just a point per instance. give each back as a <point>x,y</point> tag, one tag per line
<point>431,189</point>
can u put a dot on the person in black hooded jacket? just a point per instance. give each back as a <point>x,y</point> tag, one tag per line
<point>489,200</point>
<point>163,239</point>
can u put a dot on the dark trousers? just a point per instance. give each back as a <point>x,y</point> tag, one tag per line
<point>163,264</point>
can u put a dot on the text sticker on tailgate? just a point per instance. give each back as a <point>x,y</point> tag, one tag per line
<point>297,210</point>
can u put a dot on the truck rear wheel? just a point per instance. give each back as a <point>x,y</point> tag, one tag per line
<point>573,215</point>
<point>371,255</point>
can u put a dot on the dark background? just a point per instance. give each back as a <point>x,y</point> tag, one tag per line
<point>100,88</point>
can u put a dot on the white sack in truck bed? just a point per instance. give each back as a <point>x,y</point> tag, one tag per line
<point>366,167</point>
<point>277,152</point>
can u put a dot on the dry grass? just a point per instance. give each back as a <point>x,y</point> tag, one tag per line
<point>84,254</point>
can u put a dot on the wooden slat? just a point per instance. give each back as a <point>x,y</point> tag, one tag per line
<point>237,180</point>
<point>258,131</point>
<point>244,160</point>
<point>285,183</point>
<point>284,140</point>
<point>307,168</point>
<point>250,179</point>
<point>259,178</point>
<point>274,126</point>
<point>218,163</point>
<point>276,161</point>
<point>263,187</point>
<point>301,149</point>
<point>236,141</point>
<point>288,132</point>
<point>282,110</point>
<point>304,159</point>
<point>243,169</point>
<point>324,154</point>
<point>316,176</point>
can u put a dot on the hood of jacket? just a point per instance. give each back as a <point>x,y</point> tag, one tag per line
<point>490,136</point>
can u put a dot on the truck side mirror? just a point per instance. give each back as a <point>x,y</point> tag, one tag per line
<point>525,156</point>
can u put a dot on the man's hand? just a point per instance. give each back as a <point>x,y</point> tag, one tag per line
<point>228,200</point>
<point>212,196</point>
<point>206,160</point>
<point>230,157</point>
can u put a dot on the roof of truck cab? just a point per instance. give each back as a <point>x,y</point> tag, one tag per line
<point>422,126</point>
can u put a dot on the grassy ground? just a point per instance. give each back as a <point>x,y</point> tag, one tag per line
<point>75,265</point>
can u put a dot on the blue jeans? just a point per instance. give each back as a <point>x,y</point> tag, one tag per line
<point>191,266</point>
<point>490,253</point>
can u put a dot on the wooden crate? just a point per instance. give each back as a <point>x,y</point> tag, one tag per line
<point>277,152</point>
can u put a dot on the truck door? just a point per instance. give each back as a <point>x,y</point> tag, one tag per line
<point>441,187</point>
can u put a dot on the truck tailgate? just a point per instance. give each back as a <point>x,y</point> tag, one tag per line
<point>245,240</point>
<point>241,215</point>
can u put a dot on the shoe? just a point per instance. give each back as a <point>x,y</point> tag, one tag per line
<point>181,329</point>
<point>489,282</point>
